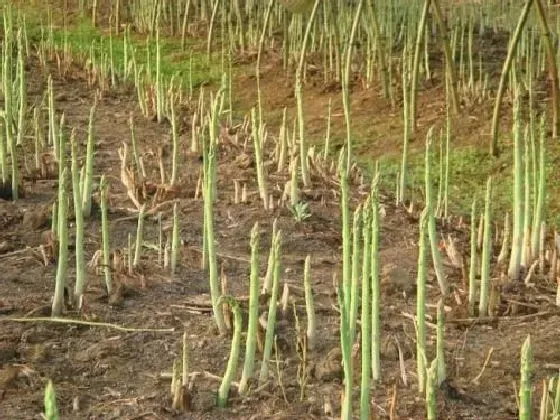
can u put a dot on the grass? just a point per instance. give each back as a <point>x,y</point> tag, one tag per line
<point>469,167</point>
<point>82,36</point>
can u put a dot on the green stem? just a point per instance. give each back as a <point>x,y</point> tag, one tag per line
<point>271,320</point>
<point>62,269</point>
<point>231,369</point>
<point>486,252</point>
<point>103,187</point>
<point>251,345</point>
<point>421,305</point>
<point>79,217</point>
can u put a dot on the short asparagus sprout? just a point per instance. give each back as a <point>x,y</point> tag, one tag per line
<point>139,236</point>
<point>54,220</point>
<point>22,89</point>
<point>309,307</point>
<point>514,270</point>
<point>3,153</point>
<point>257,134</point>
<point>185,359</point>
<point>129,254</point>
<point>267,284</point>
<point>53,137</point>
<point>180,381</point>
<point>282,142</point>
<point>326,150</point>
<point>541,193</point>
<point>505,241</point>
<point>346,347</point>
<point>62,269</point>
<point>51,409</point>
<point>223,392</point>
<point>15,170</point>
<point>88,180</point>
<point>472,269</point>
<point>525,387</point>
<point>294,190</point>
<point>104,187</point>
<point>431,390</point>
<point>436,256</point>
<point>135,153</point>
<point>175,141</point>
<point>251,345</point>
<point>176,383</point>
<point>61,146</point>
<point>271,320</point>
<point>556,409</point>
<point>486,252</point>
<point>547,388</point>
<point>160,238</point>
<point>355,270</point>
<point>346,244</point>
<point>440,343</point>
<point>175,241</point>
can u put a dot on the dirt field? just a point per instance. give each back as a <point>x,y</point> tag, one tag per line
<point>109,373</point>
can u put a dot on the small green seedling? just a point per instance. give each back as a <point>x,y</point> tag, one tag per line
<point>300,211</point>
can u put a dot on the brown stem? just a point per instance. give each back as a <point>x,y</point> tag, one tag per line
<point>552,69</point>
<point>448,57</point>
<point>494,146</point>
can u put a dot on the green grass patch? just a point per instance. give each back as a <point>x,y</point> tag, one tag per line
<point>82,38</point>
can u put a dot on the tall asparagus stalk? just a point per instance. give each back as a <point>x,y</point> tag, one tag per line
<point>88,180</point>
<point>299,95</point>
<point>541,195</point>
<point>251,345</point>
<point>436,256</point>
<point>271,320</point>
<point>421,305</point>
<point>375,289</point>
<point>518,217</point>
<point>366,314</point>
<point>209,157</point>
<point>62,269</point>
<point>473,259</point>
<point>77,196</point>
<point>309,307</point>
<point>486,252</point>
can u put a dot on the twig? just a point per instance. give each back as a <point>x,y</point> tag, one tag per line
<point>413,318</point>
<point>223,256</point>
<point>496,319</point>
<point>17,252</point>
<point>204,374</point>
<point>393,403</point>
<point>401,364</point>
<point>476,380</point>
<point>90,323</point>
<point>194,308</point>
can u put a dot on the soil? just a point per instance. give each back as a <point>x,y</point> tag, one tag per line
<point>102,372</point>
